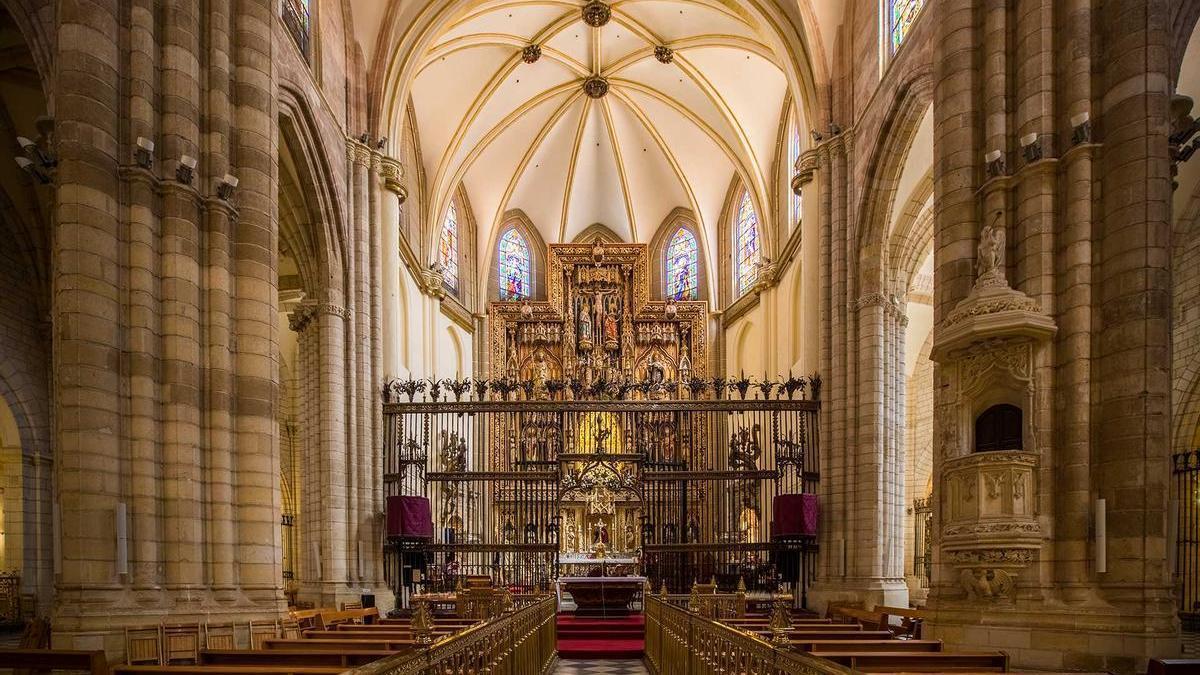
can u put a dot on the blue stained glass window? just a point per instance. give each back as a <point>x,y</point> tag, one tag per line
<point>448,248</point>
<point>682,263</point>
<point>746,245</point>
<point>793,156</point>
<point>515,277</point>
<point>901,15</point>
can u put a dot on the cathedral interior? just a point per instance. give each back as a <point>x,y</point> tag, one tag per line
<point>683,337</point>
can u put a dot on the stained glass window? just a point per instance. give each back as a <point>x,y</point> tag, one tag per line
<point>745,243</point>
<point>901,15</point>
<point>793,156</point>
<point>448,248</point>
<point>514,267</point>
<point>682,260</point>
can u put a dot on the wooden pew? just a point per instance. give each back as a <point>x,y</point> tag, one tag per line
<point>920,662</point>
<point>328,619</point>
<point>1173,666</point>
<point>873,620</point>
<point>804,636</point>
<point>817,646</point>
<point>911,619</point>
<point>368,634</point>
<point>350,644</point>
<point>228,670</point>
<point>254,657</point>
<point>58,659</point>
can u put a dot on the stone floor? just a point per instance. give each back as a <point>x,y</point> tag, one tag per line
<point>597,667</point>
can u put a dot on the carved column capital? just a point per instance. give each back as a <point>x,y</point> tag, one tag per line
<point>392,171</point>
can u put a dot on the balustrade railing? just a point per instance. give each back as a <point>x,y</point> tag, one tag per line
<point>682,642</point>
<point>520,642</point>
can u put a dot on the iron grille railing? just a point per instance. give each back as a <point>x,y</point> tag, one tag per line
<point>515,487</point>
<point>297,21</point>
<point>922,541</point>
<point>1186,473</point>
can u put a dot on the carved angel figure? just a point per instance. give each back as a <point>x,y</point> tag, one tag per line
<point>991,251</point>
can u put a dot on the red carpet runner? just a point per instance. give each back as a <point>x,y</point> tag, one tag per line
<point>592,638</point>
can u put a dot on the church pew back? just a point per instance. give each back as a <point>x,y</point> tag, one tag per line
<point>310,644</point>
<point>59,659</point>
<point>801,636</point>
<point>227,670</point>
<point>817,646</point>
<point>251,657</point>
<point>918,662</point>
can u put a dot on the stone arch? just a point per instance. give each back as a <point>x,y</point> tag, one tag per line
<point>35,21</point>
<point>912,237</point>
<point>313,229</point>
<point>884,167</point>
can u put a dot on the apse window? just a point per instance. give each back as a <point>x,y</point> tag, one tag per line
<point>682,259</point>
<point>448,249</point>
<point>298,21</point>
<point>747,252</point>
<point>901,15</point>
<point>999,428</point>
<point>515,270</point>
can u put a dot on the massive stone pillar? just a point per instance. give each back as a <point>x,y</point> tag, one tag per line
<point>1041,298</point>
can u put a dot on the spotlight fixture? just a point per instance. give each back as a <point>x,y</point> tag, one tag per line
<point>27,165</point>
<point>664,54</point>
<point>226,186</point>
<point>144,154</point>
<point>834,129</point>
<point>994,161</point>
<point>364,138</point>
<point>381,144</point>
<point>35,153</point>
<point>531,53</point>
<point>596,13</point>
<point>1081,128</point>
<point>186,169</point>
<point>1031,147</point>
<point>816,136</point>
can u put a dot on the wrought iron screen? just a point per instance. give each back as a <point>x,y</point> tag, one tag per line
<point>525,491</point>
<point>1186,473</point>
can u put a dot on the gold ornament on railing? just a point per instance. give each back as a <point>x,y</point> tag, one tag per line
<point>421,623</point>
<point>781,620</point>
<point>694,599</point>
<point>663,590</point>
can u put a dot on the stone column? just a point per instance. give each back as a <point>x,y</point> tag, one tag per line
<point>391,201</point>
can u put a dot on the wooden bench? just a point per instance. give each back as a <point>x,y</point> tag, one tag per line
<point>869,619</point>
<point>228,670</point>
<point>253,657</point>
<point>327,619</point>
<point>920,662</point>
<point>804,636</point>
<point>818,646</point>
<point>350,644</point>
<point>911,619</point>
<point>56,659</point>
<point>369,634</point>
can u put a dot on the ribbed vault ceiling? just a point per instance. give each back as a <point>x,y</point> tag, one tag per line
<point>525,136</point>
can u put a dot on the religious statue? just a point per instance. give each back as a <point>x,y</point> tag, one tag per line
<point>571,535</point>
<point>748,523</point>
<point>585,326</point>
<point>685,367</point>
<point>610,332</point>
<point>600,532</point>
<point>990,258</point>
<point>541,374</point>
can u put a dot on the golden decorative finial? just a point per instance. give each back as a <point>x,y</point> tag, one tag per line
<point>663,591</point>
<point>741,585</point>
<point>781,620</point>
<point>421,624</point>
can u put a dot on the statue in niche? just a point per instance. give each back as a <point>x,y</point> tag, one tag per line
<point>748,522</point>
<point>585,325</point>
<point>693,528</point>
<point>541,375</point>
<point>611,341</point>
<point>990,257</point>
<point>599,532</point>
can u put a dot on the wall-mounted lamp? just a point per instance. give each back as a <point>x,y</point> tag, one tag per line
<point>381,144</point>
<point>186,169</point>
<point>226,186</point>
<point>35,153</point>
<point>994,163</point>
<point>1081,128</point>
<point>144,154</point>
<point>1031,147</point>
<point>32,169</point>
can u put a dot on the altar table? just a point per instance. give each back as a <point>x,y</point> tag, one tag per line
<point>601,596</point>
